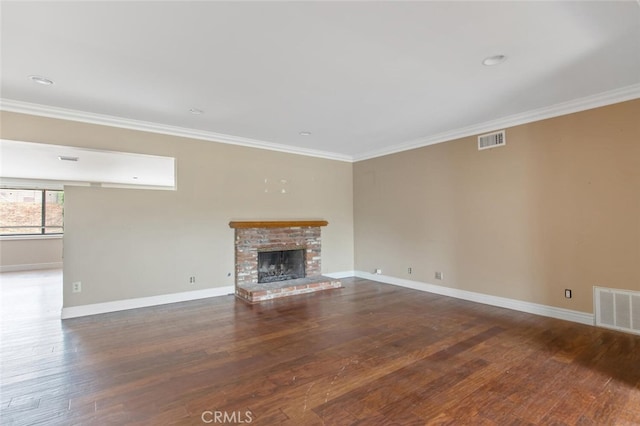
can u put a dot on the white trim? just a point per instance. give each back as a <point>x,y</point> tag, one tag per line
<point>503,302</point>
<point>31,267</point>
<point>18,237</point>
<point>143,302</point>
<point>340,275</point>
<point>594,101</point>
<point>19,183</point>
<point>146,126</point>
<point>517,305</point>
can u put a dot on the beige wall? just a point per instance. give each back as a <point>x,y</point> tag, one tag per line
<point>30,253</point>
<point>126,243</point>
<point>557,207</point>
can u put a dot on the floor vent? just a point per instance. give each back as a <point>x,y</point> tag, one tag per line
<point>492,140</point>
<point>617,309</point>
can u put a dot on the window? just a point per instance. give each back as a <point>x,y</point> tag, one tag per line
<point>31,211</point>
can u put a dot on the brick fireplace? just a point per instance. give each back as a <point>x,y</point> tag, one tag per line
<point>252,238</point>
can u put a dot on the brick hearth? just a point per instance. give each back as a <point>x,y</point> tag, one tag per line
<point>253,237</point>
<point>254,293</point>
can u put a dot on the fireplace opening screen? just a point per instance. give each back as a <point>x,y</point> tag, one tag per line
<point>280,265</point>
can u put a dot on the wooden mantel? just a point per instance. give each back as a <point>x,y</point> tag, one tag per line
<point>276,223</point>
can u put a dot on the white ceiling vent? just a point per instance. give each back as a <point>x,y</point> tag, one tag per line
<point>492,140</point>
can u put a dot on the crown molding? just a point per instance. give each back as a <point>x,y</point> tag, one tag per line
<point>594,101</point>
<point>589,102</point>
<point>146,126</point>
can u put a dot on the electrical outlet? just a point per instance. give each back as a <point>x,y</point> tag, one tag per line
<point>76,287</point>
<point>409,270</point>
<point>439,275</point>
<point>192,280</point>
<point>378,271</point>
<point>567,293</point>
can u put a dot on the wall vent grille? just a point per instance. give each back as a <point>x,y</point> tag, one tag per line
<point>617,309</point>
<point>492,140</point>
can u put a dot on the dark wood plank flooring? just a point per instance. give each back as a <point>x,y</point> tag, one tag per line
<point>366,354</point>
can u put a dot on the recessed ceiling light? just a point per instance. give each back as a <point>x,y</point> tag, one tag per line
<point>67,158</point>
<point>305,133</point>
<point>196,111</point>
<point>41,80</point>
<point>494,60</point>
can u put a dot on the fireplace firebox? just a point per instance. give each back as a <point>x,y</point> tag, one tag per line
<point>280,265</point>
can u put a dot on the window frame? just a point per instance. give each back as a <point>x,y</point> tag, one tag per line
<point>43,218</point>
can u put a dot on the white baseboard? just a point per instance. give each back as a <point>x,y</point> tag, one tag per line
<point>31,267</point>
<point>503,302</point>
<point>339,275</point>
<point>143,302</point>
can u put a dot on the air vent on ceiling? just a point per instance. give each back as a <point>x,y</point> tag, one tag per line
<point>617,309</point>
<point>492,140</point>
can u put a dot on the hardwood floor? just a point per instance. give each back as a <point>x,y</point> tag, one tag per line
<point>366,354</point>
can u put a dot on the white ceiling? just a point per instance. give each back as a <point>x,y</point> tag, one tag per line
<point>28,162</point>
<point>365,78</point>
